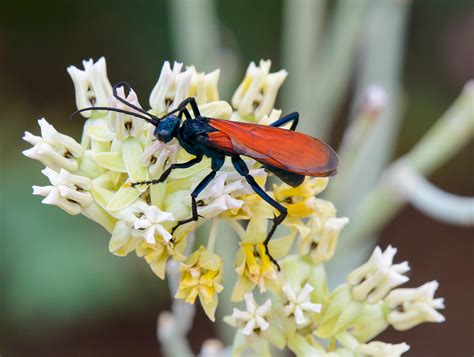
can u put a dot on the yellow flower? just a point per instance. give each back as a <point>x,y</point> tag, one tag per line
<point>156,255</point>
<point>253,265</point>
<point>201,275</point>
<point>321,241</point>
<point>300,200</point>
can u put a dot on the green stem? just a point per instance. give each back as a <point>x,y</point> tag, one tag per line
<point>381,64</point>
<point>446,138</point>
<point>302,24</point>
<point>194,32</point>
<point>326,82</point>
<point>213,234</point>
<point>354,140</point>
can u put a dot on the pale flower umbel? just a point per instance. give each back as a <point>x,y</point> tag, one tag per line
<point>374,279</point>
<point>93,177</point>
<point>412,306</point>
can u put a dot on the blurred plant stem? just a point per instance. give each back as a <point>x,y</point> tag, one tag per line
<point>196,39</point>
<point>172,327</point>
<point>433,201</point>
<point>380,64</point>
<point>194,31</point>
<point>302,24</point>
<point>325,81</point>
<point>446,138</point>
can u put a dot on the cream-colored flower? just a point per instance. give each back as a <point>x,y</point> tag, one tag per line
<point>274,115</point>
<point>125,125</point>
<point>374,279</point>
<point>91,84</point>
<point>217,197</point>
<point>69,192</point>
<point>201,275</point>
<point>157,156</point>
<point>204,86</point>
<point>149,224</point>
<point>171,89</point>
<point>255,96</point>
<point>157,255</point>
<point>412,306</point>
<point>382,349</point>
<point>298,303</point>
<point>53,149</point>
<point>254,319</point>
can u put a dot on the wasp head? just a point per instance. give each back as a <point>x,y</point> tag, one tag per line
<point>167,128</point>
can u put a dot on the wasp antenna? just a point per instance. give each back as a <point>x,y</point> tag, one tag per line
<point>151,119</point>
<point>127,87</point>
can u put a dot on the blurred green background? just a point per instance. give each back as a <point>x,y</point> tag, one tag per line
<point>63,293</point>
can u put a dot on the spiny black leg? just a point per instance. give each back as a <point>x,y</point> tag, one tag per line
<point>194,106</point>
<point>184,103</point>
<point>216,164</point>
<point>242,169</point>
<point>165,174</point>
<point>184,111</point>
<point>294,117</point>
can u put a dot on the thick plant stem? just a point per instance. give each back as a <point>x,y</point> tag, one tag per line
<point>433,201</point>
<point>446,138</point>
<point>302,24</point>
<point>354,140</point>
<point>326,81</point>
<point>381,65</point>
<point>194,32</point>
<point>173,326</point>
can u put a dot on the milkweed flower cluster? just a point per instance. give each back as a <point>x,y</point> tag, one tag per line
<point>93,176</point>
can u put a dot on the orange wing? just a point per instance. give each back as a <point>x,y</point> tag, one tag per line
<point>285,149</point>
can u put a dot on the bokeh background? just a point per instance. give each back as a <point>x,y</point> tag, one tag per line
<point>63,293</point>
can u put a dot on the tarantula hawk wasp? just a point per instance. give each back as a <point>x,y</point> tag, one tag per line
<point>290,155</point>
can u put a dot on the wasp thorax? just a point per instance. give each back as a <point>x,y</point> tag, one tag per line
<point>167,128</point>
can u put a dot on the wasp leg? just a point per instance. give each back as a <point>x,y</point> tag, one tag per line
<point>166,173</point>
<point>184,111</point>
<point>294,117</point>
<point>194,106</point>
<point>243,170</point>
<point>216,164</point>
<point>184,103</point>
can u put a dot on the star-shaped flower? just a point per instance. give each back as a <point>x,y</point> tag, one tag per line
<point>254,319</point>
<point>299,302</point>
